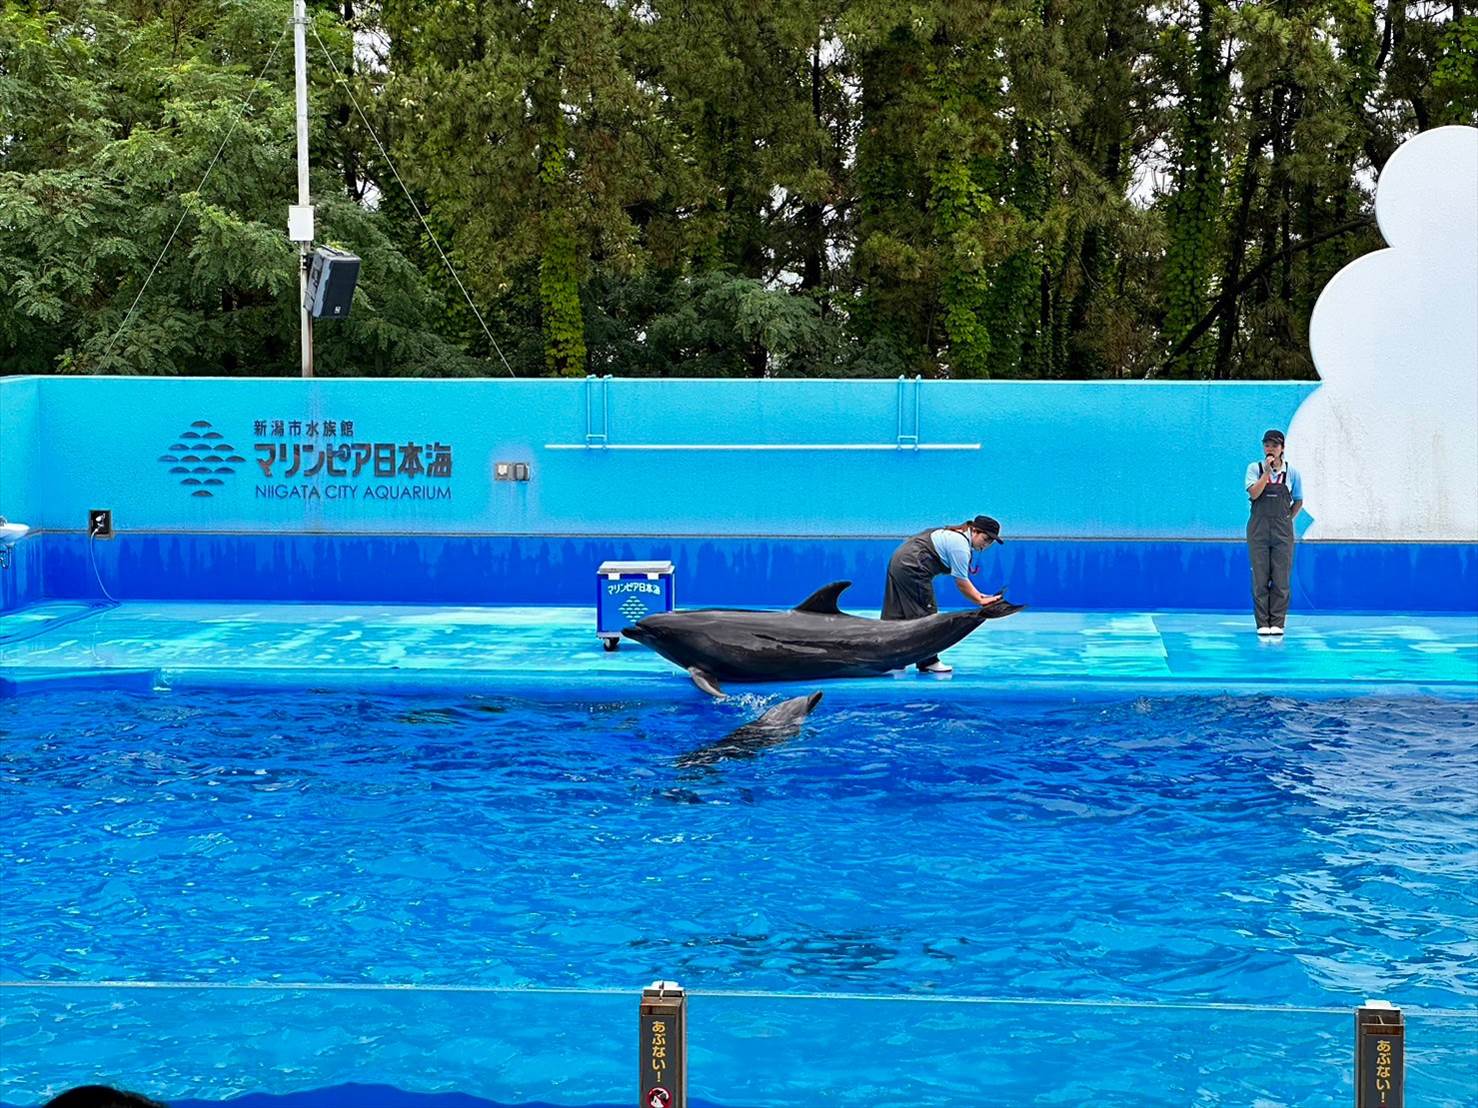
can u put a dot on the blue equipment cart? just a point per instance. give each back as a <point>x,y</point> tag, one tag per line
<point>627,592</point>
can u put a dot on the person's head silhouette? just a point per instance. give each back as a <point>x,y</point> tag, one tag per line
<point>101,1096</point>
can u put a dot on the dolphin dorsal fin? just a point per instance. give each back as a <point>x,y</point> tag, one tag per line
<point>823,602</point>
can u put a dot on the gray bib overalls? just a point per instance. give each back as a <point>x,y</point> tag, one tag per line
<point>909,593</point>
<point>1270,548</point>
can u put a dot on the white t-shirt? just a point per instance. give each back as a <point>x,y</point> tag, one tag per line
<point>953,550</point>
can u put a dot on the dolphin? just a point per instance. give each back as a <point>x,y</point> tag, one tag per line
<point>778,724</point>
<point>813,640</point>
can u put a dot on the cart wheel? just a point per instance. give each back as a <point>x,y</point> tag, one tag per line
<point>610,644</point>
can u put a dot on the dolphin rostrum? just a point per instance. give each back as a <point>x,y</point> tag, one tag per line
<point>812,640</point>
<point>778,724</point>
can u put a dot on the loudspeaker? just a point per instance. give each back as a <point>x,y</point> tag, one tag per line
<point>332,275</point>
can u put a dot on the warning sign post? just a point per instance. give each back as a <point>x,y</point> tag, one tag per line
<point>663,1046</point>
<point>1380,1056</point>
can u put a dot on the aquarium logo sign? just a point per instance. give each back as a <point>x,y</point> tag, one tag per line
<point>312,459</point>
<point>201,459</point>
<point>326,459</point>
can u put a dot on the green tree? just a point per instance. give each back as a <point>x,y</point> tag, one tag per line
<point>750,219</point>
<point>970,188</point>
<point>529,135</point>
<point>114,113</point>
<point>1202,88</point>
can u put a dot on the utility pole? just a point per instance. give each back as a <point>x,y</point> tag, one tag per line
<point>300,215</point>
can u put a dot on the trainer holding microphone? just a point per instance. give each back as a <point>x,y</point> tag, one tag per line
<point>1276,494</point>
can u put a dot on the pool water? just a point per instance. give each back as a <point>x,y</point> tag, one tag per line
<point>1232,850</point>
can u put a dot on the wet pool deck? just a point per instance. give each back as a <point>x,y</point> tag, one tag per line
<point>146,645</point>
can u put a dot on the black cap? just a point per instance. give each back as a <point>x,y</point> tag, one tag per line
<point>988,526</point>
<point>1272,435</point>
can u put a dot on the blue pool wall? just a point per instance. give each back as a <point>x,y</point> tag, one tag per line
<point>1112,494</point>
<point>1114,575</point>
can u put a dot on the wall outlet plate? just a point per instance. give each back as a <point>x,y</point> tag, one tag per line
<point>100,523</point>
<point>511,471</point>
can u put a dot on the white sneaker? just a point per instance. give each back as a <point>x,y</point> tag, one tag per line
<point>1264,630</point>
<point>1275,630</point>
<point>937,667</point>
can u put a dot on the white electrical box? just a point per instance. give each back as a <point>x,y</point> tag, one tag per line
<point>300,222</point>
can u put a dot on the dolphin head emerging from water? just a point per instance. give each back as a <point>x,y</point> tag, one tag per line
<point>778,724</point>
<point>813,640</point>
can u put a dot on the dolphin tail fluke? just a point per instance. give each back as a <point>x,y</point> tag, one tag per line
<point>706,681</point>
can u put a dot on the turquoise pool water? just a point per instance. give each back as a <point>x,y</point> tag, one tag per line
<point>1050,876</point>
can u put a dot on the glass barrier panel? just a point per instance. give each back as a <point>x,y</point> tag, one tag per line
<point>519,1047</point>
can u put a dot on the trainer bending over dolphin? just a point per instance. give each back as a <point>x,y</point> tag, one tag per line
<point>909,593</point>
<point>813,640</point>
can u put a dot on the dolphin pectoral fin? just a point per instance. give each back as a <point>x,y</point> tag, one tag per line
<point>823,602</point>
<point>706,682</point>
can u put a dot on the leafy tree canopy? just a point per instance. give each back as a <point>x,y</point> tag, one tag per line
<point>961,188</point>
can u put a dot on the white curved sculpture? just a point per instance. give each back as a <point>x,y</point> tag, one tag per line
<point>1388,444</point>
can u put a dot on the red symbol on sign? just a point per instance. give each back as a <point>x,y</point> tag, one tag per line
<point>659,1098</point>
